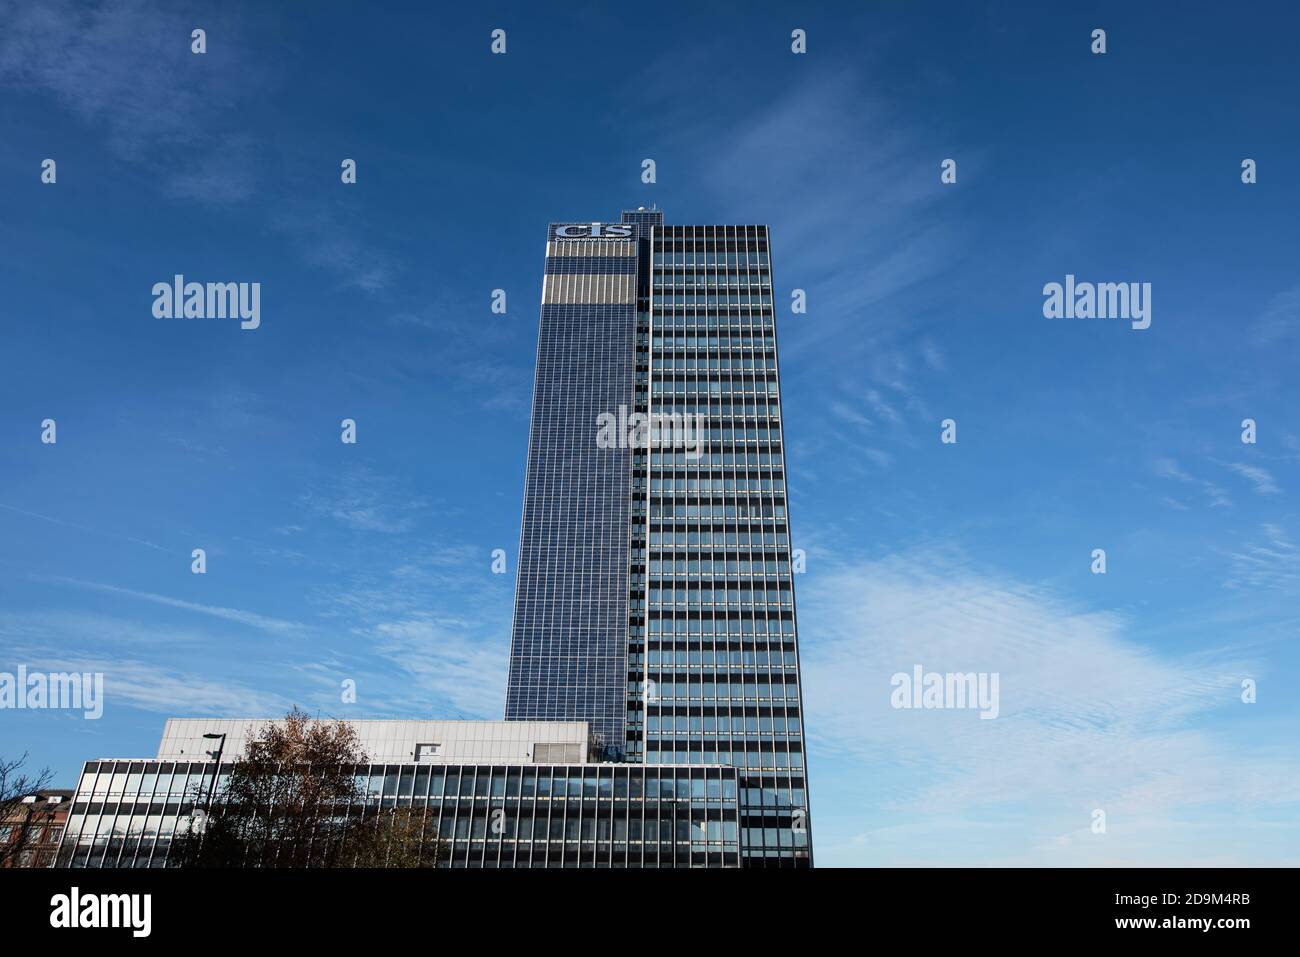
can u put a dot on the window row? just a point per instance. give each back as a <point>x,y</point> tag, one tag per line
<point>707,658</point>
<point>714,387</point>
<point>703,340</point>
<point>715,363</point>
<point>706,484</point>
<point>750,296</point>
<point>708,690</point>
<point>722,507</point>
<point>710,278</point>
<point>718,566</point>
<point>712,257</point>
<point>735,317</point>
<point>722,724</point>
<point>735,759</point>
<point>712,539</point>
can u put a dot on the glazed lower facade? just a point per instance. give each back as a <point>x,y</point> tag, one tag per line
<point>126,813</point>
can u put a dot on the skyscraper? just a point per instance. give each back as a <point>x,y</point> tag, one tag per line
<point>655,598</point>
<point>654,716</point>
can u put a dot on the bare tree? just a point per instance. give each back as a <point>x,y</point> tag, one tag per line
<point>294,800</point>
<point>19,824</point>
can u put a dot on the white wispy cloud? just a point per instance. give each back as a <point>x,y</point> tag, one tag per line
<point>445,661</point>
<point>1261,478</point>
<point>79,527</point>
<point>1279,320</point>
<point>125,67</point>
<point>1089,717</point>
<point>833,129</point>
<point>323,240</point>
<point>365,501</point>
<point>843,410</point>
<point>151,687</point>
<point>65,628</point>
<point>882,408</point>
<point>276,626</point>
<point>1271,561</point>
<point>1168,468</point>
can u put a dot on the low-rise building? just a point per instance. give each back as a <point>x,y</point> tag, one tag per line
<point>34,827</point>
<point>499,793</point>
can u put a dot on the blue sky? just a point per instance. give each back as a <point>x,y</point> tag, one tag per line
<point>326,561</point>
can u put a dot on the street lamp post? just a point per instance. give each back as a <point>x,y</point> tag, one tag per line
<point>216,771</point>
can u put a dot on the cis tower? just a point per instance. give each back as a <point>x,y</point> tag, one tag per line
<point>655,599</point>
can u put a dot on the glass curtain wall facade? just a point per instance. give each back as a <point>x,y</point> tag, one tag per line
<point>568,654</point>
<point>706,592</point>
<point>127,813</point>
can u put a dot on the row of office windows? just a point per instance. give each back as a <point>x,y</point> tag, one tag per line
<point>131,779</point>
<point>666,255</point>
<point>733,386</point>
<point>709,539</point>
<point>718,608</point>
<point>704,657</point>
<point>716,363</point>
<point>146,840</point>
<point>723,724</point>
<point>717,484</point>
<point>98,820</point>
<point>681,236</point>
<point>738,652</point>
<point>746,479</point>
<point>702,286</point>
<point>738,741</point>
<point>718,565</point>
<point>664,682</point>
<point>710,592</point>
<point>756,760</point>
<point>703,602</point>
<point>750,719</point>
<point>696,340</point>
<point>720,523</point>
<point>711,523</point>
<point>707,433</point>
<point>664,358</point>
<point>735,316</point>
<point>715,505</point>
<point>711,278</point>
<point>735,381</point>
<point>716,691</point>
<point>716,588</point>
<point>718,411</point>
<point>695,805</point>
<point>755,296</point>
<point>744,613</point>
<point>759,406</point>
<point>137,853</point>
<point>722,508</point>
<point>737,459</point>
<point>746,621</point>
